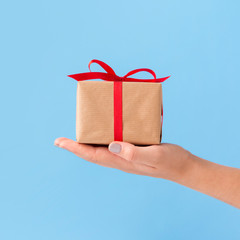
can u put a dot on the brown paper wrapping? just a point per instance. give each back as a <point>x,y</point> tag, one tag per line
<point>142,104</point>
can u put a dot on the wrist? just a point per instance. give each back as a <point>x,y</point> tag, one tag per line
<point>187,169</point>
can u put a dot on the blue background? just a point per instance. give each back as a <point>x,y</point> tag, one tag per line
<point>48,193</point>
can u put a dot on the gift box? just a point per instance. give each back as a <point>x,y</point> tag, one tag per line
<point>118,108</point>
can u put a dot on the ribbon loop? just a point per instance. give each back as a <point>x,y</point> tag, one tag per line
<point>107,68</point>
<point>141,70</point>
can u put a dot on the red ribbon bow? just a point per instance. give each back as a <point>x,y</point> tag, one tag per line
<point>110,75</point>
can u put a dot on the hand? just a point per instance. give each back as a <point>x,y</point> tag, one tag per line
<point>167,161</point>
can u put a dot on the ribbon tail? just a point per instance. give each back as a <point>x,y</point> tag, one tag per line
<point>92,75</point>
<point>146,80</point>
<point>163,79</point>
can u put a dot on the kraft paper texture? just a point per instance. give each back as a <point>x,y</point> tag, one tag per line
<point>142,104</point>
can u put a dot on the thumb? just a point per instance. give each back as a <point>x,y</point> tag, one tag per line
<point>130,152</point>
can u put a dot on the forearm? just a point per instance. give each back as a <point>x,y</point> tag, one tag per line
<point>215,180</point>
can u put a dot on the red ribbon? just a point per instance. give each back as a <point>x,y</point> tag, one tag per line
<point>110,75</point>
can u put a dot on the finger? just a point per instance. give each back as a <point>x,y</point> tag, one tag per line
<point>99,155</point>
<point>143,155</point>
<point>82,150</point>
<point>85,151</point>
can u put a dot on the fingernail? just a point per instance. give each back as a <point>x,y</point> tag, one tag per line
<point>56,143</point>
<point>115,147</point>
